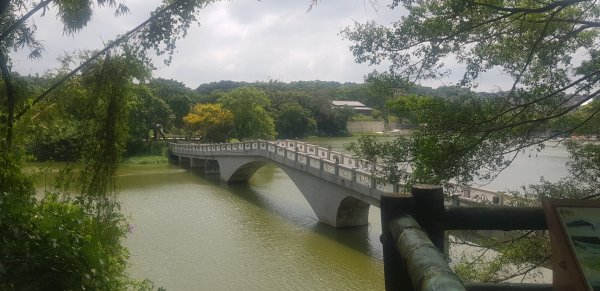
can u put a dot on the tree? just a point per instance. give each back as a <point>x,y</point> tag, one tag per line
<point>251,118</point>
<point>383,86</point>
<point>544,38</point>
<point>294,121</point>
<point>159,32</point>
<point>179,97</point>
<point>577,120</point>
<point>549,50</point>
<point>55,234</point>
<point>18,34</point>
<point>223,85</point>
<point>65,240</point>
<point>410,108</point>
<point>210,121</point>
<point>329,121</point>
<point>54,133</point>
<point>538,55</point>
<point>146,111</point>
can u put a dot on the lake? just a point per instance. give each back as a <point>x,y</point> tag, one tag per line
<point>193,232</point>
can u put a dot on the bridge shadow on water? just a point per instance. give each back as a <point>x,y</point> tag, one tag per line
<point>356,238</point>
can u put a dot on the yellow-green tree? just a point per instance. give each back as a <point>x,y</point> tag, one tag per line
<point>211,121</point>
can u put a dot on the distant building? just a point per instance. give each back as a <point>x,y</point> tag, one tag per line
<point>354,105</point>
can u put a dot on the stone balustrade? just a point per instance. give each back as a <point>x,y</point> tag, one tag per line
<point>323,161</point>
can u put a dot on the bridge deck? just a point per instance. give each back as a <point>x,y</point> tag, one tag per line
<point>345,170</point>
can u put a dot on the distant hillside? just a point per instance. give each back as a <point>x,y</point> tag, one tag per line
<point>333,90</point>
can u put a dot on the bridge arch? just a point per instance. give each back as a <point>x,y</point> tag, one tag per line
<point>339,188</point>
<point>334,205</point>
<point>240,173</point>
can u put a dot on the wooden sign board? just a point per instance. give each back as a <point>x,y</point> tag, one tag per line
<point>574,227</point>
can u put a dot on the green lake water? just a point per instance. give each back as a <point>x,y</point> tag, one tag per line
<point>193,232</point>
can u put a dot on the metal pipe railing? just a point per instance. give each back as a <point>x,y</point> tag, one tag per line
<point>413,238</point>
<point>426,265</point>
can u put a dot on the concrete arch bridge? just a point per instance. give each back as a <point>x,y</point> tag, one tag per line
<point>339,187</point>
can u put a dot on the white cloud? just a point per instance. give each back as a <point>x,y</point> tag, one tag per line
<point>243,40</point>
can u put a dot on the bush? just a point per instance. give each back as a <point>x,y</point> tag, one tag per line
<point>53,244</point>
<point>59,150</point>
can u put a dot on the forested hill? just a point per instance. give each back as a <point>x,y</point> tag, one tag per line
<point>330,89</point>
<point>167,102</point>
<point>327,89</point>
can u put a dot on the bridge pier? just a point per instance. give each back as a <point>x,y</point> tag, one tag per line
<point>336,186</point>
<point>331,203</point>
<point>184,161</point>
<point>211,167</point>
<point>198,163</point>
<point>172,157</point>
<point>206,166</point>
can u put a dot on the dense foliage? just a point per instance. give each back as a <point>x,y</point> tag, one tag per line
<point>69,237</point>
<point>294,121</point>
<point>297,109</point>
<point>548,49</point>
<point>534,43</point>
<point>72,240</point>
<point>146,112</point>
<point>176,95</point>
<point>251,119</point>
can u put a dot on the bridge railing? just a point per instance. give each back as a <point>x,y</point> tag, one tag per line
<point>316,159</point>
<point>413,237</point>
<point>344,166</point>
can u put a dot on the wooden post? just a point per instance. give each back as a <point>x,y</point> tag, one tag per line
<point>429,208</point>
<point>394,205</point>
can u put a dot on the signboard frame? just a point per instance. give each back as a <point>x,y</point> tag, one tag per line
<point>567,220</point>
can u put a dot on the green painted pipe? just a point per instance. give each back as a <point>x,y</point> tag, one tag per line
<point>427,267</point>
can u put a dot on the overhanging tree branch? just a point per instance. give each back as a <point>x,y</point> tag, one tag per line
<point>550,137</point>
<point>533,49</point>
<point>523,271</point>
<point>537,100</point>
<point>585,23</point>
<point>549,117</point>
<point>23,18</point>
<point>108,47</point>
<point>543,9</point>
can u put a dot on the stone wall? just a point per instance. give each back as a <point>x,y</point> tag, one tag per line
<point>364,126</point>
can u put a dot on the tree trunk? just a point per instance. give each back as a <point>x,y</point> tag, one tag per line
<point>10,100</point>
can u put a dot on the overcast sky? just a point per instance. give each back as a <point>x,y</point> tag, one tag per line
<point>240,40</point>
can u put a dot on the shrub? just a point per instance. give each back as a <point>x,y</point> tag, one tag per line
<point>54,243</point>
